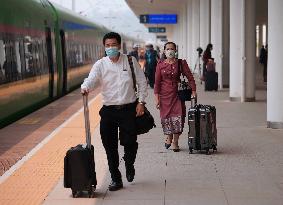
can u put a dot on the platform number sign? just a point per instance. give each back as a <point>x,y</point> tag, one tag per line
<point>156,29</point>
<point>158,18</point>
<point>144,19</point>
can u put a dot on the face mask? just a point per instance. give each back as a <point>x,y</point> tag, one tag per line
<point>112,51</point>
<point>170,53</point>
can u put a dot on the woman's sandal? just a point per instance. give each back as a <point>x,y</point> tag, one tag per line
<point>167,145</point>
<point>176,149</point>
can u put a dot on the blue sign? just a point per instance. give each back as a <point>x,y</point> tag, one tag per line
<point>156,29</point>
<point>159,18</point>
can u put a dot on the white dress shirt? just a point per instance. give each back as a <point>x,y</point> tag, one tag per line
<point>116,81</point>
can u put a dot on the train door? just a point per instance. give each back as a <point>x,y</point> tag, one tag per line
<point>50,61</point>
<point>63,46</point>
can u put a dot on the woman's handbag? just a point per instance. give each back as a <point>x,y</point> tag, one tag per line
<point>184,89</point>
<point>145,122</point>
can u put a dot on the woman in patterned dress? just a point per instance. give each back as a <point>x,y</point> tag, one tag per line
<point>172,110</point>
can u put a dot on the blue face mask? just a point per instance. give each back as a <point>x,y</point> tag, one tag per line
<point>112,51</point>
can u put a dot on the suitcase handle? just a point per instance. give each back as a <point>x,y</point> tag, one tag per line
<point>87,124</point>
<point>194,101</point>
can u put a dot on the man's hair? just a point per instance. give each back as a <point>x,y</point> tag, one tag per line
<point>112,35</point>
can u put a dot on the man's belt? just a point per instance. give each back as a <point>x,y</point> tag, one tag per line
<point>120,107</point>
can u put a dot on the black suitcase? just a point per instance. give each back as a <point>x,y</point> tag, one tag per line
<point>208,131</point>
<point>202,133</point>
<point>79,165</point>
<point>193,122</point>
<point>211,81</point>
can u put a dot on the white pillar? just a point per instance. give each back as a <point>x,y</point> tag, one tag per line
<point>235,50</point>
<point>204,23</point>
<point>184,30</point>
<point>242,50</point>
<point>217,37</point>
<point>177,36</point>
<point>190,51</point>
<point>196,29</point>
<point>250,35</point>
<point>176,33</point>
<point>226,43</point>
<point>275,71</point>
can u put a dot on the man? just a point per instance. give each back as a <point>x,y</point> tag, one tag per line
<point>263,61</point>
<point>135,52</point>
<point>120,108</point>
<point>151,58</point>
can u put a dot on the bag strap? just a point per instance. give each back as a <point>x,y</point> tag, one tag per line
<point>180,66</point>
<point>133,72</point>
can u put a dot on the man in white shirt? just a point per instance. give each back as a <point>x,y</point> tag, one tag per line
<point>120,107</point>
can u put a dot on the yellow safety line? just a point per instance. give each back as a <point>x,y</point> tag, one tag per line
<point>31,183</point>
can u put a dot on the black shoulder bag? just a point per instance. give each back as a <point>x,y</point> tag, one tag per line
<point>184,89</point>
<point>145,122</point>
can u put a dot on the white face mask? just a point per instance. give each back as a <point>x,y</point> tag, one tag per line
<point>170,53</point>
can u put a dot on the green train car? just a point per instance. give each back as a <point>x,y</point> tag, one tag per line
<point>45,52</point>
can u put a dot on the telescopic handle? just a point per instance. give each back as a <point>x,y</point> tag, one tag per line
<point>87,124</point>
<point>194,101</point>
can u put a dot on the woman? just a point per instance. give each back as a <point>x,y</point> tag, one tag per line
<point>172,110</point>
<point>206,56</point>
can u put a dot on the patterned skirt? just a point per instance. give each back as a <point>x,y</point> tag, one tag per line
<point>173,125</point>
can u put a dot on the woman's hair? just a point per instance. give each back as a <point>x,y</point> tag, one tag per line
<point>163,54</point>
<point>175,46</point>
<point>208,47</point>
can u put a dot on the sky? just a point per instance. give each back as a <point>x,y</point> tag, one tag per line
<point>113,14</point>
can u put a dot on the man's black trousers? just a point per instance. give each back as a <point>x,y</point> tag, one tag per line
<point>119,123</point>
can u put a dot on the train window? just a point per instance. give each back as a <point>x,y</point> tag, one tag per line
<point>45,68</point>
<point>41,64</point>
<point>10,63</point>
<point>92,52</point>
<point>2,60</point>
<point>36,60</point>
<point>28,56</point>
<point>79,56</point>
<point>22,57</point>
<point>18,57</point>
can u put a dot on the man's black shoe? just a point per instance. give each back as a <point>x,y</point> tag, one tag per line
<point>130,173</point>
<point>114,186</point>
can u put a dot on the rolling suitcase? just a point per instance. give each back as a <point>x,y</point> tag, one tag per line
<point>79,165</point>
<point>207,125</point>
<point>193,122</point>
<point>211,81</point>
<point>202,134</point>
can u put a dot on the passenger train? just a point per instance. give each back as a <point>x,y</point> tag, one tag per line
<point>45,52</point>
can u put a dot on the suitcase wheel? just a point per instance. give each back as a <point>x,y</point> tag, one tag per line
<point>91,191</point>
<point>76,194</point>
<point>207,152</point>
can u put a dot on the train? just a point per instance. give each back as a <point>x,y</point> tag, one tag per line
<point>45,52</point>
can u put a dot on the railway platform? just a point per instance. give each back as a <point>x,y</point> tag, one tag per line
<point>246,170</point>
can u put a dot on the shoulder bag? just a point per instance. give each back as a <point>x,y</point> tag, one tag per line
<point>184,89</point>
<point>145,122</point>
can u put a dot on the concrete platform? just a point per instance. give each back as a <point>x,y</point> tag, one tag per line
<point>246,170</point>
